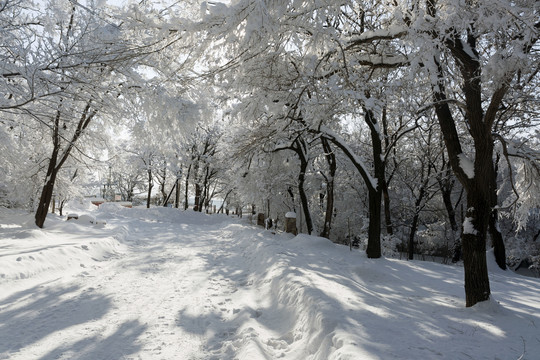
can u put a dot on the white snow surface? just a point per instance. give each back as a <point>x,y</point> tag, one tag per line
<point>468,227</point>
<point>165,284</point>
<point>466,165</point>
<point>290,215</point>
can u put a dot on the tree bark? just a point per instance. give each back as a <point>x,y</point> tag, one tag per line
<point>197,206</point>
<point>186,196</point>
<point>301,151</point>
<point>477,287</point>
<point>177,197</point>
<point>387,212</point>
<point>45,198</point>
<point>477,185</point>
<point>374,233</point>
<point>150,186</point>
<point>57,160</point>
<point>496,237</point>
<point>332,165</point>
<point>374,193</point>
<point>373,250</point>
<point>383,181</point>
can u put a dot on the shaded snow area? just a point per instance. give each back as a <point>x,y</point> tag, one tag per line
<point>165,284</point>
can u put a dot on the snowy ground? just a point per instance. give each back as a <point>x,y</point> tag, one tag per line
<point>166,284</point>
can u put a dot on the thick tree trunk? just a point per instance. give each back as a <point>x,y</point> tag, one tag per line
<point>373,250</point>
<point>329,213</point>
<point>303,196</point>
<point>45,198</point>
<point>374,233</point>
<point>57,159</point>
<point>474,249</point>
<point>52,172</point>
<point>496,237</point>
<point>374,193</point>
<point>177,198</point>
<point>197,206</point>
<point>331,160</point>
<point>477,184</point>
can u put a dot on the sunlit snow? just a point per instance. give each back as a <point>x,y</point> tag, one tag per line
<point>166,284</point>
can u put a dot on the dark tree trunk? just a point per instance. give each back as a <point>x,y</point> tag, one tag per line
<point>332,165</point>
<point>373,250</point>
<point>383,180</point>
<point>300,147</point>
<point>446,185</point>
<point>50,179</point>
<point>186,196</point>
<point>61,207</point>
<point>46,196</point>
<point>446,193</point>
<point>497,240</point>
<point>374,193</point>
<point>57,160</point>
<point>474,249</point>
<point>177,198</point>
<point>496,236</point>
<point>303,197</point>
<point>150,186</point>
<point>197,206</point>
<point>204,201</point>
<point>387,212</point>
<point>374,232</point>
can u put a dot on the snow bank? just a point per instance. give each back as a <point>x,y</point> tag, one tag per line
<point>67,246</point>
<point>318,300</point>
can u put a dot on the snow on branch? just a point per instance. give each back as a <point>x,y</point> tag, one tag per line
<point>357,161</point>
<point>382,61</point>
<point>392,32</point>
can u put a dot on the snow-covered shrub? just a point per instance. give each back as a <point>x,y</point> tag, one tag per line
<point>521,249</point>
<point>389,246</point>
<point>435,240</point>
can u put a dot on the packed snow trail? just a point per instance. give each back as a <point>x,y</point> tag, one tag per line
<point>166,284</point>
<point>163,299</point>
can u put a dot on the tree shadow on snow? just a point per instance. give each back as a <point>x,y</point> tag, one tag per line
<point>121,343</point>
<point>315,295</point>
<point>29,316</point>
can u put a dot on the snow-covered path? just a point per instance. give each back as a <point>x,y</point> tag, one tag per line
<point>164,284</point>
<point>165,298</point>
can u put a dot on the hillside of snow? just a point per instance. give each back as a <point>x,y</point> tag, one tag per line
<point>166,284</point>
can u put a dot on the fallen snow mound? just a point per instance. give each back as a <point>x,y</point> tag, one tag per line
<point>67,246</point>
